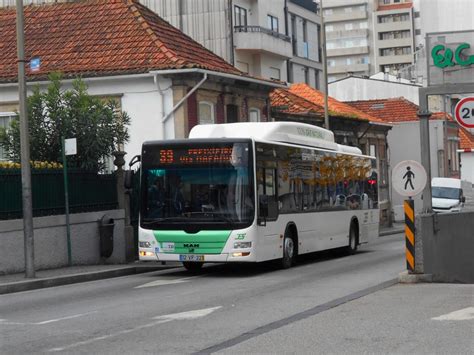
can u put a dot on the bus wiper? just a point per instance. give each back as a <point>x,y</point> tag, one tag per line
<point>163,219</point>
<point>220,216</point>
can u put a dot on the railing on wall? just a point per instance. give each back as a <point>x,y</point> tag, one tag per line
<point>262,30</point>
<point>88,191</point>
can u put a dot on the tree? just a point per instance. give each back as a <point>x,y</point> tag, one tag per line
<point>98,125</point>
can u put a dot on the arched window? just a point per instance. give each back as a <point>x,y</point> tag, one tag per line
<point>254,114</point>
<point>206,112</point>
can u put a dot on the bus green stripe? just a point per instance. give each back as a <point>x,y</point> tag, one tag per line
<point>208,242</point>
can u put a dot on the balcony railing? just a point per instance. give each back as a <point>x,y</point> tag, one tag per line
<point>262,30</point>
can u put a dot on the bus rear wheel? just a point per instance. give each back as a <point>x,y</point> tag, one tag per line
<point>192,266</point>
<point>353,239</point>
<point>289,251</point>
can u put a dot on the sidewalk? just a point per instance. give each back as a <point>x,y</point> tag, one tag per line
<point>397,227</point>
<point>74,274</point>
<point>69,275</point>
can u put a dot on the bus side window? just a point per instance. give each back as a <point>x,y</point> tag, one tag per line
<point>267,186</point>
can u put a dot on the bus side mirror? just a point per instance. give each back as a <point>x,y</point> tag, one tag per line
<point>262,210</point>
<point>127,179</point>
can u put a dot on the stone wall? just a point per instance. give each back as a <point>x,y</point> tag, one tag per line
<point>448,246</point>
<point>50,241</point>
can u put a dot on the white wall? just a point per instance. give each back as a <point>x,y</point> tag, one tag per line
<point>139,98</point>
<point>354,89</point>
<point>404,144</point>
<point>443,16</point>
<point>467,167</point>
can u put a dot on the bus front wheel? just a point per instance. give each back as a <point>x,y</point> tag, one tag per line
<point>192,266</point>
<point>289,251</point>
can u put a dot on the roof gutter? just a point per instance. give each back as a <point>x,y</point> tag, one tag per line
<point>218,74</point>
<point>180,102</point>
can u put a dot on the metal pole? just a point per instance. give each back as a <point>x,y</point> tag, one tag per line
<point>66,202</point>
<point>325,67</point>
<point>424,116</point>
<point>25,148</point>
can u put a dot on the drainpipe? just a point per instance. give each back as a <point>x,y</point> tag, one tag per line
<point>231,33</point>
<point>161,103</point>
<point>178,105</point>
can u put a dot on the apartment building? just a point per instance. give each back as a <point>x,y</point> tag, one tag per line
<point>348,37</point>
<point>393,26</point>
<point>365,37</point>
<point>277,39</point>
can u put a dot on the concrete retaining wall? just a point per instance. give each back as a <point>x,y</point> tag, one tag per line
<point>448,246</point>
<point>50,241</point>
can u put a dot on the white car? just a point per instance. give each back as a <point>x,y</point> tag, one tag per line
<point>447,195</point>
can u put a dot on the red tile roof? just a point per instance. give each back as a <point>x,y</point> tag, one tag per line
<point>466,139</point>
<point>399,110</point>
<point>100,37</point>
<point>393,110</point>
<point>286,102</point>
<point>406,5</point>
<point>335,107</point>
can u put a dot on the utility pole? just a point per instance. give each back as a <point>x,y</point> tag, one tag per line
<point>25,147</point>
<point>325,66</point>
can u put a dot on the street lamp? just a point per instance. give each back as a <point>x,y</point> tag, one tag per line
<point>325,66</point>
<point>24,147</point>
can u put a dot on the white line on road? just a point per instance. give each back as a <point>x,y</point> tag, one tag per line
<point>93,340</point>
<point>189,315</point>
<point>4,321</point>
<point>165,282</point>
<point>462,314</point>
<point>160,320</point>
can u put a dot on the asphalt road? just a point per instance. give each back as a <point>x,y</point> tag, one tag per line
<point>171,311</point>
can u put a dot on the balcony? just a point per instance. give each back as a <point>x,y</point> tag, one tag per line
<point>350,51</point>
<point>260,39</point>
<point>355,33</point>
<point>353,68</point>
<point>346,16</point>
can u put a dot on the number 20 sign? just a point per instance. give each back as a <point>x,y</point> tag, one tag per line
<point>464,112</point>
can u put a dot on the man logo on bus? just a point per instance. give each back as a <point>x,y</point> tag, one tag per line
<point>409,175</point>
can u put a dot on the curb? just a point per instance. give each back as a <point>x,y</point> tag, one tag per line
<point>406,278</point>
<point>391,231</point>
<point>28,285</point>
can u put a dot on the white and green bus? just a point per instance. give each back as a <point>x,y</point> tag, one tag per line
<point>251,192</point>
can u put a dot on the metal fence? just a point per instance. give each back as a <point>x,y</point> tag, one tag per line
<point>88,192</point>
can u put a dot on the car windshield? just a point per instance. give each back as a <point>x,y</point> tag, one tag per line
<point>209,185</point>
<point>446,192</point>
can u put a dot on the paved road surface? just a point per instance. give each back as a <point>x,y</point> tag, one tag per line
<point>172,311</point>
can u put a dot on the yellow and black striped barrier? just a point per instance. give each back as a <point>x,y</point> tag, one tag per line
<point>409,207</point>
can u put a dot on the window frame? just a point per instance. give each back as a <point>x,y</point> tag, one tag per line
<point>254,109</point>
<point>9,117</point>
<point>238,12</point>
<point>271,20</point>
<point>213,113</point>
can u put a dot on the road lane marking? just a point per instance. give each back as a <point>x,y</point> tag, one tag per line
<point>164,282</point>
<point>462,314</point>
<point>159,320</point>
<point>294,318</point>
<point>93,340</point>
<point>189,315</point>
<point>5,321</point>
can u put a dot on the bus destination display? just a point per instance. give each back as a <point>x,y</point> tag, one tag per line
<point>192,156</point>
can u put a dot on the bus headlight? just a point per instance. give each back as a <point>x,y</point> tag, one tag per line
<point>241,245</point>
<point>144,244</point>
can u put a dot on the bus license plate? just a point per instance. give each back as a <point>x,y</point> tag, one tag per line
<point>191,257</point>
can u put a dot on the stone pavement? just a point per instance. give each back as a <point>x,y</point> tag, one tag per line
<point>68,275</point>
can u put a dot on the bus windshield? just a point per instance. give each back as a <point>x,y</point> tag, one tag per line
<point>197,186</point>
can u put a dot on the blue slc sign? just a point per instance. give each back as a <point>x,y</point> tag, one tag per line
<point>35,64</point>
